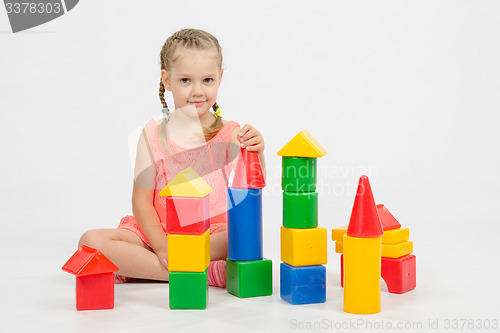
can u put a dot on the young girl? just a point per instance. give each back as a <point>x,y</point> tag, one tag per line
<point>191,69</point>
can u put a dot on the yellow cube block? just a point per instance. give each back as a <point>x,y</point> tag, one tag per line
<point>397,250</point>
<point>395,236</point>
<point>339,247</point>
<point>188,253</point>
<point>303,247</point>
<point>338,233</point>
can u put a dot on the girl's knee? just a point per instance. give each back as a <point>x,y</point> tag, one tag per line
<point>92,238</point>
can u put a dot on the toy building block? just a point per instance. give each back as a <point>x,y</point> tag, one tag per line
<point>94,279</point>
<point>339,247</point>
<point>249,278</point>
<point>187,183</point>
<point>303,247</point>
<point>303,145</point>
<point>388,221</point>
<point>244,227</point>
<point>248,172</point>
<point>362,251</point>
<point>338,234</point>
<point>188,215</point>
<point>298,174</point>
<point>302,285</point>
<point>399,274</point>
<point>397,250</point>
<point>300,210</point>
<point>188,290</point>
<point>188,253</point>
<point>395,236</point>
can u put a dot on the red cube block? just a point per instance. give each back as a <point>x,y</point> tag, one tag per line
<point>188,215</point>
<point>400,273</point>
<point>95,292</point>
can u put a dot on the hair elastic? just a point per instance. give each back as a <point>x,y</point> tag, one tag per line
<point>166,113</point>
<point>218,113</point>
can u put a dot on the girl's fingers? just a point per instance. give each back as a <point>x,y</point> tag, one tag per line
<point>251,142</point>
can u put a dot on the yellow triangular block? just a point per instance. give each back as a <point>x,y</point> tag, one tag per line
<point>187,183</point>
<point>303,145</point>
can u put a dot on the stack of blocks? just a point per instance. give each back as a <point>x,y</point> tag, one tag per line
<point>94,279</point>
<point>188,239</point>
<point>249,274</point>
<point>398,264</point>
<point>303,243</point>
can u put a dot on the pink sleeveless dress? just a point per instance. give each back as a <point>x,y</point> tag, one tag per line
<point>210,161</point>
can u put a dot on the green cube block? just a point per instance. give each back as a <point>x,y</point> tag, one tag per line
<point>298,174</point>
<point>188,290</point>
<point>300,210</point>
<point>249,278</point>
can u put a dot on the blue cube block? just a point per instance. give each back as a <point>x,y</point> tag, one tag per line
<point>303,285</point>
<point>244,226</point>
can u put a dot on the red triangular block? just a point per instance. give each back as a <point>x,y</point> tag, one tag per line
<point>88,261</point>
<point>364,222</point>
<point>248,173</point>
<point>388,221</point>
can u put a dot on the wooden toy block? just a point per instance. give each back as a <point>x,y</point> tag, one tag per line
<point>94,278</point>
<point>338,234</point>
<point>188,215</point>
<point>303,247</point>
<point>362,262</point>
<point>300,210</point>
<point>303,145</point>
<point>399,274</point>
<point>395,236</point>
<point>249,278</point>
<point>244,227</point>
<point>388,221</point>
<point>188,290</point>
<point>187,183</point>
<point>302,285</point>
<point>339,247</point>
<point>188,253</point>
<point>364,222</point>
<point>298,174</point>
<point>397,250</point>
<point>248,172</point>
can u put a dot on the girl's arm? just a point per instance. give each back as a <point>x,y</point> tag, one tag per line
<point>142,201</point>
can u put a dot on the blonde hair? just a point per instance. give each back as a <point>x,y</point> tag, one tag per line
<point>193,39</point>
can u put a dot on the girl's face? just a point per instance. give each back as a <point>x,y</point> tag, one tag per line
<point>194,79</point>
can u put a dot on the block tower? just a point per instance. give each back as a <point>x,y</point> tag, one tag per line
<point>303,243</point>
<point>249,274</point>
<point>398,264</point>
<point>94,279</point>
<point>188,223</point>
<point>362,248</point>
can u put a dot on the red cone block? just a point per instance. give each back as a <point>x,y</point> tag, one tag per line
<point>248,173</point>
<point>364,222</point>
<point>388,221</point>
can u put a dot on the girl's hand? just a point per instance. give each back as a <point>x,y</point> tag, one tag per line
<point>162,256</point>
<point>251,139</point>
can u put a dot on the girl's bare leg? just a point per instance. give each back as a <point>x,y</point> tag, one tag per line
<point>218,244</point>
<point>128,252</point>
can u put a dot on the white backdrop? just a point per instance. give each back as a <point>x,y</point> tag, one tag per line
<point>406,92</point>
